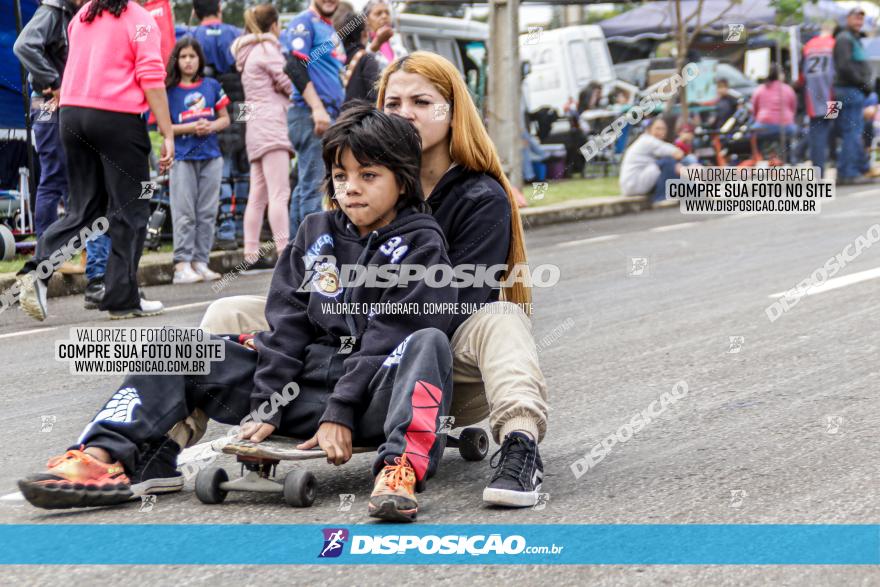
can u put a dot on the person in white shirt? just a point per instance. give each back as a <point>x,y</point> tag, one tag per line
<point>649,162</point>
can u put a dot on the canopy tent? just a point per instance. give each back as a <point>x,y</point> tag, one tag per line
<point>656,20</point>
<point>11,99</point>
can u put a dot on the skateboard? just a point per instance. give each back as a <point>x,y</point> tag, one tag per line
<point>259,463</point>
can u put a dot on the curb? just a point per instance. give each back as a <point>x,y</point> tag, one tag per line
<point>158,268</point>
<point>582,210</point>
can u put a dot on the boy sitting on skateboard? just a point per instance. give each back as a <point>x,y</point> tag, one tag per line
<point>368,375</point>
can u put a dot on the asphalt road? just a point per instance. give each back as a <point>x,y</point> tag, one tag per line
<point>778,426</point>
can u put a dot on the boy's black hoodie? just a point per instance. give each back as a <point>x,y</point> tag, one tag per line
<point>474,214</point>
<point>305,333</point>
<point>42,45</point>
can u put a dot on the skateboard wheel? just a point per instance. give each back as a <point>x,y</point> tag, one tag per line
<point>7,243</point>
<point>208,485</point>
<point>300,488</point>
<point>473,444</point>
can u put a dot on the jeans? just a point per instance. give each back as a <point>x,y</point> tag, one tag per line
<point>306,196</point>
<point>53,169</point>
<point>772,131</point>
<point>820,136</point>
<point>667,171</point>
<point>850,122</point>
<point>531,153</point>
<point>97,253</point>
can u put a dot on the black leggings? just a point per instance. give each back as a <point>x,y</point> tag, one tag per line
<point>107,165</point>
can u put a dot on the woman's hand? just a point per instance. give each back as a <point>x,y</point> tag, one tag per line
<point>384,33</point>
<point>321,120</point>
<point>256,431</point>
<point>166,153</point>
<point>334,439</point>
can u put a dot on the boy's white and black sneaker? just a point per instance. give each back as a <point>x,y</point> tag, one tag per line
<point>518,475</point>
<point>157,469</point>
<point>32,296</point>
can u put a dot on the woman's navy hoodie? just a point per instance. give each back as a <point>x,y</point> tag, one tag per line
<point>306,334</point>
<point>474,214</point>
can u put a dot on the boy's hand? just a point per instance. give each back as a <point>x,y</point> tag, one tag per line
<point>256,431</point>
<point>334,439</point>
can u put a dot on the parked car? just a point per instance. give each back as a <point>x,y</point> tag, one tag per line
<point>644,73</point>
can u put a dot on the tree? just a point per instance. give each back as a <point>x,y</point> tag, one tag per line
<point>432,9</point>
<point>686,30</point>
<point>233,10</point>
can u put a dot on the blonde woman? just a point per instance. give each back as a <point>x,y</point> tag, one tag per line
<point>495,368</point>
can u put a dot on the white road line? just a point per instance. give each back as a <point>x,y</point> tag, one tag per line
<point>186,306</point>
<point>17,496</point>
<point>838,282</point>
<point>669,227</point>
<point>595,239</point>
<point>742,215</point>
<point>31,331</point>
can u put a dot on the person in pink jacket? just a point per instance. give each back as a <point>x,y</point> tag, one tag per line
<point>267,95</point>
<point>114,73</point>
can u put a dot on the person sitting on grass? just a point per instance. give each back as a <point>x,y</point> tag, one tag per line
<point>389,391</point>
<point>649,162</point>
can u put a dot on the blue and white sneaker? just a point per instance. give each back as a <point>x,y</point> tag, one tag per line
<point>519,473</point>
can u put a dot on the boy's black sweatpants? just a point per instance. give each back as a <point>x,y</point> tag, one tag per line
<point>107,164</point>
<point>407,397</point>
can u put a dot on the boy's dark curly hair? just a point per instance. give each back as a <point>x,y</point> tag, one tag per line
<point>376,138</point>
<point>114,7</point>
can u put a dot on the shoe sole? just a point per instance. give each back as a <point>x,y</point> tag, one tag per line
<point>157,486</point>
<point>72,496</point>
<point>135,314</point>
<point>510,498</point>
<point>30,302</point>
<point>388,511</point>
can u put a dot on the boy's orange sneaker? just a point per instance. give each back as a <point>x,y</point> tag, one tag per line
<point>76,479</point>
<point>394,497</point>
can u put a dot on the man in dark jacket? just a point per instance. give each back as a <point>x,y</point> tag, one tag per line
<point>42,49</point>
<point>851,84</point>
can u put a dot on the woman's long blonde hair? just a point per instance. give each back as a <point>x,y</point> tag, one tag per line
<point>470,147</point>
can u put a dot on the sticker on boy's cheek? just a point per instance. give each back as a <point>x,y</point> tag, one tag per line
<point>340,189</point>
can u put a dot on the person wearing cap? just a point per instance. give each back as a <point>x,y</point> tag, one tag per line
<point>852,82</point>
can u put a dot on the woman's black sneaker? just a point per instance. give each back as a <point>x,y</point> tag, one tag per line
<point>518,473</point>
<point>157,469</point>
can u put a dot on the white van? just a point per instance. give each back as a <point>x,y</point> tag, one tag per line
<point>563,61</point>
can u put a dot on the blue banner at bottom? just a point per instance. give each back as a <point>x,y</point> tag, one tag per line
<point>687,544</point>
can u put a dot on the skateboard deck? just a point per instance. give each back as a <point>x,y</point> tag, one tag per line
<point>282,449</point>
